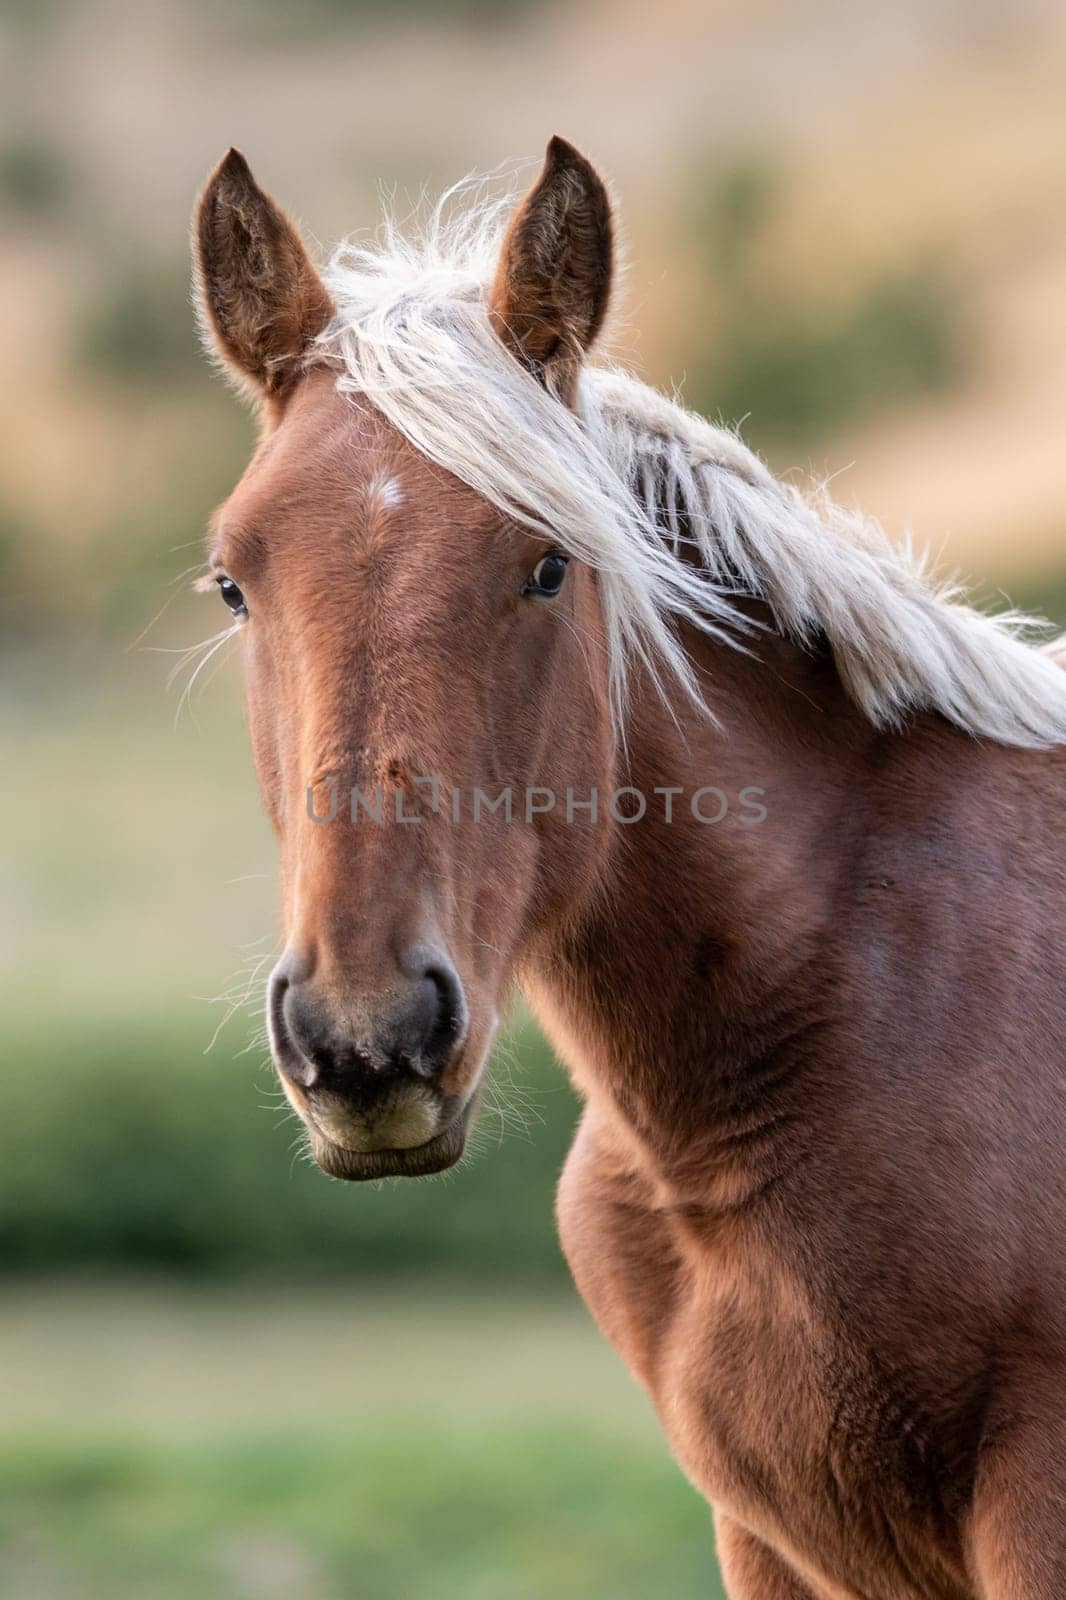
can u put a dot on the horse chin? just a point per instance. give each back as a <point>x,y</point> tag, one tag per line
<point>419,1161</point>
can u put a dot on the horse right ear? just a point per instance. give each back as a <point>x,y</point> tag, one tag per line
<point>553,282</point>
<point>260,299</point>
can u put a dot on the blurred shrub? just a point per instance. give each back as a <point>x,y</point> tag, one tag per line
<point>280,19</point>
<point>140,328</point>
<point>1044,596</point>
<point>124,1146</point>
<point>795,374</point>
<point>735,205</point>
<point>796,368</point>
<point>21,604</point>
<point>14,536</point>
<point>34,178</point>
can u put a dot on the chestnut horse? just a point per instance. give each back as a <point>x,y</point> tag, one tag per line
<point>767,827</point>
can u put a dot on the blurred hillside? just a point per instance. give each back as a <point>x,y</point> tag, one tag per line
<point>846,228</point>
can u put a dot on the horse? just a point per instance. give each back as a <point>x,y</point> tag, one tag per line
<point>551,682</point>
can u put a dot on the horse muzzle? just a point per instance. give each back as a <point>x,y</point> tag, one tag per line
<point>376,1080</point>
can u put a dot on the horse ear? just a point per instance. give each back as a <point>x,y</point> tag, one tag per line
<point>261,300</point>
<point>553,281</point>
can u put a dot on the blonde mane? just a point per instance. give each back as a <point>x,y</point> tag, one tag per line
<point>676,515</point>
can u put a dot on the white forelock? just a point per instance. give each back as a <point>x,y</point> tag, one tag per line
<point>676,515</point>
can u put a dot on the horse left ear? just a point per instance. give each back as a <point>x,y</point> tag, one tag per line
<point>553,282</point>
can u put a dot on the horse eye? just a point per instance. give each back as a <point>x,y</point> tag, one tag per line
<point>232,596</point>
<point>547,576</point>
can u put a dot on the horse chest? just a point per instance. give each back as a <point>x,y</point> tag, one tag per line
<point>769,1415</point>
<point>739,1392</point>
<point>722,1346</point>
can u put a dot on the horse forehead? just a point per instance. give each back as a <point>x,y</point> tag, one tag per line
<point>335,457</point>
<point>339,468</point>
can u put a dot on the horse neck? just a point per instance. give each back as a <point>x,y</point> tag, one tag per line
<point>672,989</point>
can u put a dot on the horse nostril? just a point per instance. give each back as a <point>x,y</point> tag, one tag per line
<point>284,1036</point>
<point>441,994</point>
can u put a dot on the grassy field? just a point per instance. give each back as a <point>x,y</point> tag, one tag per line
<point>164,1444</point>
<point>412,1513</point>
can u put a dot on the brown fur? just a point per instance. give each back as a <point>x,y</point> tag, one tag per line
<point>816,1198</point>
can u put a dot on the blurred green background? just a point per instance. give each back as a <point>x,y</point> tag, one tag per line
<point>220,1374</point>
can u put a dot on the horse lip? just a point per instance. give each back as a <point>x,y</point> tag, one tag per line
<point>417,1161</point>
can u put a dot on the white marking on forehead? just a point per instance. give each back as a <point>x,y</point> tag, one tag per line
<point>385,491</point>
